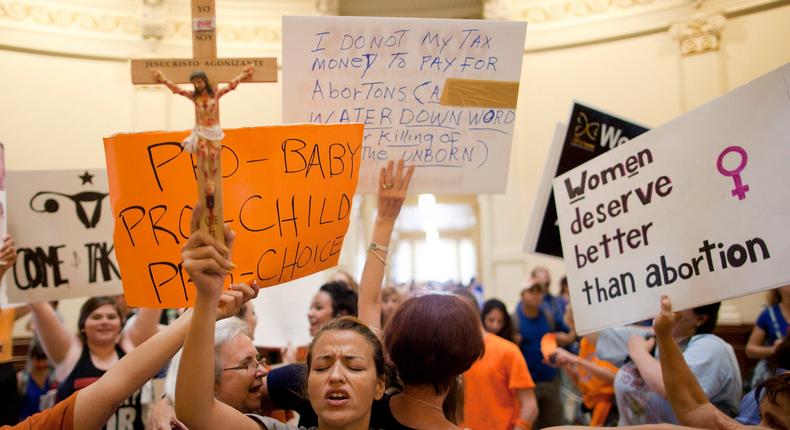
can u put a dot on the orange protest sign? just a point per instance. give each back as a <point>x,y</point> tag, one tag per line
<point>287,193</point>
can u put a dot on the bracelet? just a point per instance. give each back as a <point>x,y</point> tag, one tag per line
<point>377,247</point>
<point>522,424</point>
<point>373,247</point>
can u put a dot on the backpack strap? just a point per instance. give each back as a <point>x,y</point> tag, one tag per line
<point>775,323</point>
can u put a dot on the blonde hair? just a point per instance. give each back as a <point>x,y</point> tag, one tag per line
<point>389,291</point>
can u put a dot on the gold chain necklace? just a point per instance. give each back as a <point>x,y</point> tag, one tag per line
<point>428,404</point>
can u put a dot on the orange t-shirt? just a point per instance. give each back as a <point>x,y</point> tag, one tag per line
<point>490,401</point>
<point>592,388</point>
<point>58,417</point>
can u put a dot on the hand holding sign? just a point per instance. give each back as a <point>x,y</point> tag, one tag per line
<point>640,344</point>
<point>665,319</point>
<point>207,260</point>
<point>548,347</point>
<point>232,299</point>
<point>564,358</point>
<point>7,254</point>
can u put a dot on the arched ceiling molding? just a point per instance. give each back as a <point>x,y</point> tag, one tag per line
<point>558,24</point>
<point>414,8</point>
<point>114,30</point>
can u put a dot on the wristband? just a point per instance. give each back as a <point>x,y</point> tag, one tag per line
<point>377,247</point>
<point>373,247</point>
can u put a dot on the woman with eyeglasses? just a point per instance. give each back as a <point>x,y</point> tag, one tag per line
<point>238,369</point>
<point>220,377</point>
<point>163,414</point>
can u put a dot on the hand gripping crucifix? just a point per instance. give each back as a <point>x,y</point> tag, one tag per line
<point>201,70</point>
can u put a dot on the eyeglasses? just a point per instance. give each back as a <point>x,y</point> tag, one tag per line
<point>250,366</point>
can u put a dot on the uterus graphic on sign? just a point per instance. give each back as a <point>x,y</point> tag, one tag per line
<point>62,225</point>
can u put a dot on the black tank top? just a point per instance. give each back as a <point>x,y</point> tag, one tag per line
<point>128,415</point>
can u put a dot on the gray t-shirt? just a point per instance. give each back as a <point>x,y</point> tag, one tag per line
<point>710,359</point>
<point>612,345</point>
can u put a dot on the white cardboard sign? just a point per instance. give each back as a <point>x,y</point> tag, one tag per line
<point>697,209</point>
<point>62,227</point>
<point>389,73</point>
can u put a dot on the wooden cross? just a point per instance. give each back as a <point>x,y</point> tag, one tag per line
<point>229,70</point>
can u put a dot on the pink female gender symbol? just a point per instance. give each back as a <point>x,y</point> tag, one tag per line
<point>740,189</point>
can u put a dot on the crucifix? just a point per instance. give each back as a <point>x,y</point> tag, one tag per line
<point>202,70</point>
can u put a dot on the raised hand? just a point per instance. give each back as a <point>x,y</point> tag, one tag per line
<point>206,260</point>
<point>637,344</point>
<point>248,71</point>
<point>158,76</point>
<point>163,416</point>
<point>392,189</point>
<point>564,358</point>
<point>665,319</point>
<point>231,300</point>
<point>7,254</point>
<point>289,354</point>
<point>393,186</point>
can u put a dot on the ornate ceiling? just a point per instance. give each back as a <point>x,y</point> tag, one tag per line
<point>121,29</point>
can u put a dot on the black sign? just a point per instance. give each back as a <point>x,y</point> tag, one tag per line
<point>590,133</point>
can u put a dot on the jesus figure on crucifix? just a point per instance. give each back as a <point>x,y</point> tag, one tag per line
<point>206,137</point>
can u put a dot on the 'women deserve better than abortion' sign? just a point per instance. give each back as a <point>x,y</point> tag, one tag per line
<point>696,209</point>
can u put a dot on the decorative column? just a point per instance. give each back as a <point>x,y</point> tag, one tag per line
<point>327,7</point>
<point>497,9</point>
<point>701,70</point>
<point>702,78</point>
<point>153,21</point>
